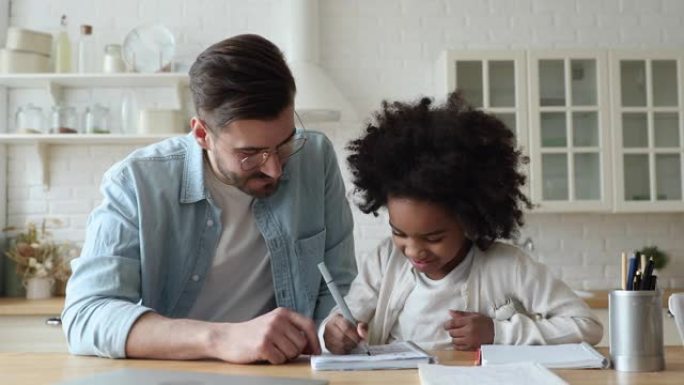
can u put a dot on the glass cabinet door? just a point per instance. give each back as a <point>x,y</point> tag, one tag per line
<point>569,131</point>
<point>647,112</point>
<point>492,81</point>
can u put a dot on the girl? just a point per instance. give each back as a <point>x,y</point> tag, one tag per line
<point>448,176</point>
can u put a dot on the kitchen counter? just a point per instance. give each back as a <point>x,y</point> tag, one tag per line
<point>18,306</point>
<point>54,306</point>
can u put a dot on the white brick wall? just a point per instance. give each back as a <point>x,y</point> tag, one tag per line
<point>373,49</point>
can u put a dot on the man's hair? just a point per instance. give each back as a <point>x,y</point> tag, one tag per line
<point>451,155</point>
<point>242,77</point>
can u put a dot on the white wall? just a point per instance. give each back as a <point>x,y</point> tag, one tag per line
<point>373,49</point>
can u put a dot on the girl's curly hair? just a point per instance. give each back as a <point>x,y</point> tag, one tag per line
<point>452,155</point>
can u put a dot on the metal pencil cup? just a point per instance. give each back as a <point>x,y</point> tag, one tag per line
<point>636,330</point>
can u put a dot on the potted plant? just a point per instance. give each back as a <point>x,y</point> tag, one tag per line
<point>39,260</point>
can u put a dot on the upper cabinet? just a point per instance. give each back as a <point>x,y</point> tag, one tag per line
<point>569,131</point>
<point>604,130</point>
<point>494,81</point>
<point>647,110</point>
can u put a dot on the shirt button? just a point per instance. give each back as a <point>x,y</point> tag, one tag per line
<point>210,223</point>
<point>195,278</point>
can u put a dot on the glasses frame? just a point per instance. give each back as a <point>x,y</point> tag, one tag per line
<point>297,142</point>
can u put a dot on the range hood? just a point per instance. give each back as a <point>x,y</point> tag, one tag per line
<point>317,99</point>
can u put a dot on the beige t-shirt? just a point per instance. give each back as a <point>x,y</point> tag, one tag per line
<point>239,285</point>
<point>427,307</point>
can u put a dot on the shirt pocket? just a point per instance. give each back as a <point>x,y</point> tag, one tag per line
<point>310,252</point>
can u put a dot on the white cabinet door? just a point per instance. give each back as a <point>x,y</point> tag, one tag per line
<point>648,108</point>
<point>569,131</point>
<point>494,81</point>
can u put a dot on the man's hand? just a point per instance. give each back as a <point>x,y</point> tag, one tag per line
<point>469,330</point>
<point>276,337</point>
<point>340,336</point>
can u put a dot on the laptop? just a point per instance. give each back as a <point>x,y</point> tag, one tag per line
<point>168,377</point>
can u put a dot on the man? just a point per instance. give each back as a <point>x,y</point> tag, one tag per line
<point>206,246</point>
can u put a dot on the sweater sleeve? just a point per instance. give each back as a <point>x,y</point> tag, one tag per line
<point>362,297</point>
<point>550,312</point>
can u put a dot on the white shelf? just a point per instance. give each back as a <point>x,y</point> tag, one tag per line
<point>80,139</point>
<point>93,80</point>
<point>55,83</point>
<point>42,142</point>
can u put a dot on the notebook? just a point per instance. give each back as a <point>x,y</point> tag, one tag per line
<point>398,355</point>
<point>565,356</point>
<point>164,377</point>
<point>525,373</point>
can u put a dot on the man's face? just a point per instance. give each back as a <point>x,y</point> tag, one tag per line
<point>226,148</point>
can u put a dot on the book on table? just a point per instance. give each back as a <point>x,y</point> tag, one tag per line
<point>563,356</point>
<point>397,355</point>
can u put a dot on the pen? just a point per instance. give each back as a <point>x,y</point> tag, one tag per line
<point>623,275</point>
<point>346,313</point>
<point>648,273</point>
<point>633,261</point>
<point>637,280</point>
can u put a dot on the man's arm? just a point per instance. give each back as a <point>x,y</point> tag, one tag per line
<point>275,337</point>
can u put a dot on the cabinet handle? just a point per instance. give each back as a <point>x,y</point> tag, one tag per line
<point>53,321</point>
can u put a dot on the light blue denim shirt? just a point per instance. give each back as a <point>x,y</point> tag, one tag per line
<point>150,243</point>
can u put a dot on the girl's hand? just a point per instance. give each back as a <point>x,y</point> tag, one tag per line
<point>341,336</point>
<point>469,330</point>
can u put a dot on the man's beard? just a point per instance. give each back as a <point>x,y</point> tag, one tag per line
<point>240,183</point>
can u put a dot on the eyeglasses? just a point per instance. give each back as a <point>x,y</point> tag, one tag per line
<point>284,151</point>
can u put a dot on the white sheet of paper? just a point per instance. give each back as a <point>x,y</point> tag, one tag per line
<point>509,374</point>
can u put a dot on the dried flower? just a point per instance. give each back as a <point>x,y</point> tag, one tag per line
<point>37,255</point>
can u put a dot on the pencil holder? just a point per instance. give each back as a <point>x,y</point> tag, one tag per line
<point>636,330</point>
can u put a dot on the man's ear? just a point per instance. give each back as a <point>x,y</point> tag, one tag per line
<point>199,131</point>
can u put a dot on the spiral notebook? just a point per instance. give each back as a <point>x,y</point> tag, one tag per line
<point>398,355</point>
<point>564,356</point>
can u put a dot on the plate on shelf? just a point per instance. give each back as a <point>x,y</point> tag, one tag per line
<point>149,48</point>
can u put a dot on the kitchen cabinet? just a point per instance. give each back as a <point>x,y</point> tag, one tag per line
<point>55,84</point>
<point>604,129</point>
<point>569,131</point>
<point>494,81</point>
<point>647,110</point>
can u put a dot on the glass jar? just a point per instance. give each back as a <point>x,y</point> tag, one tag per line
<point>113,59</point>
<point>29,120</point>
<point>64,120</point>
<point>96,120</point>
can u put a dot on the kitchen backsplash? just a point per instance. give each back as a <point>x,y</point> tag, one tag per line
<point>372,50</point>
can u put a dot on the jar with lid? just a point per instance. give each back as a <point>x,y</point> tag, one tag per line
<point>64,120</point>
<point>96,120</point>
<point>113,60</point>
<point>29,120</point>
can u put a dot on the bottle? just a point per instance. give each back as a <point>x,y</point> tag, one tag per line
<point>86,50</point>
<point>113,61</point>
<point>62,55</point>
<point>29,120</point>
<point>129,113</point>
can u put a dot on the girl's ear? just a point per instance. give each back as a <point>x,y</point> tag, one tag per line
<point>200,132</point>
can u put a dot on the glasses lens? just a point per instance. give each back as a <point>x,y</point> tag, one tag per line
<point>253,161</point>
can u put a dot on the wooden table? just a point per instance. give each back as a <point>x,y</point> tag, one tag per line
<point>49,368</point>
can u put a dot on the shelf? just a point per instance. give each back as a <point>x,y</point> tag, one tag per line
<point>55,83</point>
<point>41,144</point>
<point>81,139</point>
<point>93,80</point>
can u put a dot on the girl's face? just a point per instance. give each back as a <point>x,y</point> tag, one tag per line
<point>430,237</point>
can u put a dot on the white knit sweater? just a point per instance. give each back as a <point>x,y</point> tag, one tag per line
<point>528,305</point>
